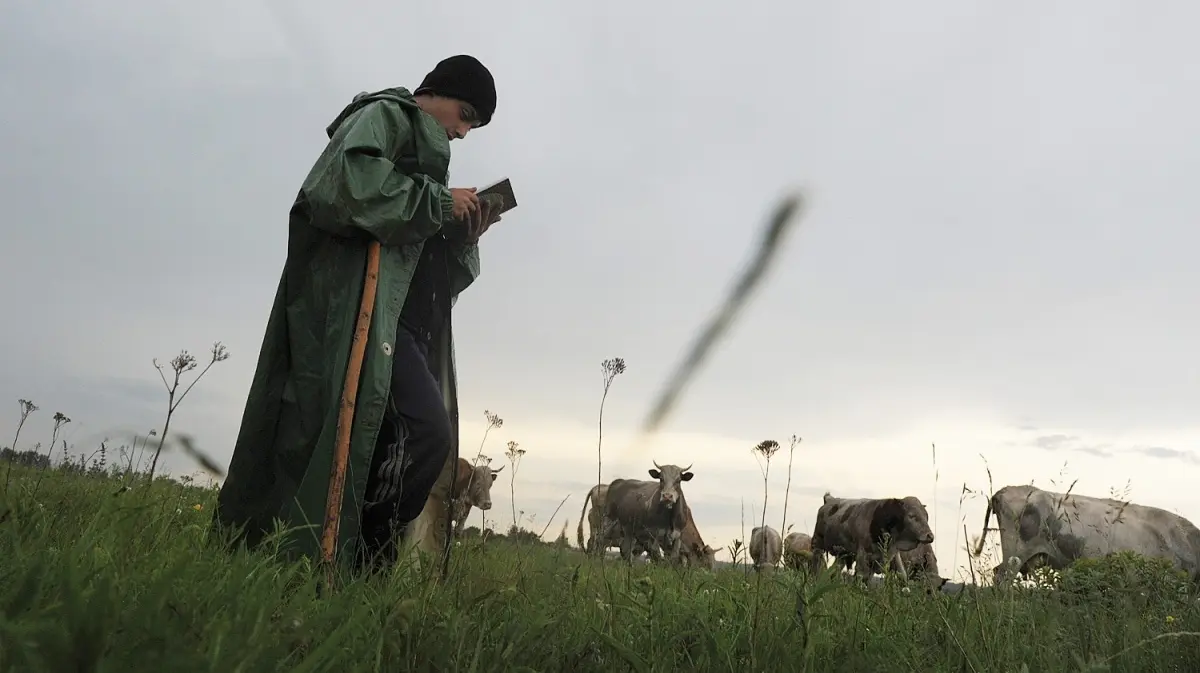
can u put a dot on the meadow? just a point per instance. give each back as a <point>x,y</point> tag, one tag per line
<point>106,570</point>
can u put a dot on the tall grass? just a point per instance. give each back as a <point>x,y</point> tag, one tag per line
<point>136,582</point>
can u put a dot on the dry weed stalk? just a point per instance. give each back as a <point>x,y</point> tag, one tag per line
<point>493,421</point>
<point>766,448</point>
<point>793,442</point>
<point>27,408</point>
<point>60,419</point>
<point>514,454</point>
<point>609,369</point>
<point>184,362</point>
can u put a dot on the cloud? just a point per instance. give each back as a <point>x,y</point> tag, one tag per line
<point>1165,453</point>
<point>1094,451</point>
<point>1054,442</point>
<point>1064,442</point>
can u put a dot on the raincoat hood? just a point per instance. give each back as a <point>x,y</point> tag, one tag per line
<point>398,94</point>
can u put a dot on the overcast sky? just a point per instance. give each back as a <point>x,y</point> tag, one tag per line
<point>999,257</point>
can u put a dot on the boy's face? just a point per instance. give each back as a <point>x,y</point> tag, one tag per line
<point>453,115</point>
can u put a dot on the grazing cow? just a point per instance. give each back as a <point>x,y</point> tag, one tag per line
<point>598,495</point>
<point>919,563</point>
<point>766,547</point>
<point>796,546</point>
<point>1056,529</point>
<point>472,488</point>
<point>855,529</point>
<point>692,548</point>
<point>657,508</point>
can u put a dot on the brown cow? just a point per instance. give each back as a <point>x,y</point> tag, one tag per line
<point>472,488</point>
<point>654,507</point>
<point>692,547</point>
<point>797,547</point>
<point>854,529</point>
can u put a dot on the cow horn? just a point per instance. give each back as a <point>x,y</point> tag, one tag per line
<point>497,470</point>
<point>656,464</point>
<point>687,468</point>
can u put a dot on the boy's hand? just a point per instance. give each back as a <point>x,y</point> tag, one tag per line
<point>465,201</point>
<point>481,219</point>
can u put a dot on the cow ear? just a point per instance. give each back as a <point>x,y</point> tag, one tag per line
<point>655,473</point>
<point>494,475</point>
<point>686,476</point>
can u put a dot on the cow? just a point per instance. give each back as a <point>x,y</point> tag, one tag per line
<point>654,507</point>
<point>919,563</point>
<point>1039,527</point>
<point>766,547</point>
<point>796,546</point>
<point>595,545</point>
<point>855,529</point>
<point>692,547</point>
<point>472,488</point>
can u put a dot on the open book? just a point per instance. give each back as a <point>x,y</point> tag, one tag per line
<point>500,190</point>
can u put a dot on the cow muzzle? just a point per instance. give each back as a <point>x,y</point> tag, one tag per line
<point>485,506</point>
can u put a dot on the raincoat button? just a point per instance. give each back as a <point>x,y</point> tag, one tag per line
<point>387,348</point>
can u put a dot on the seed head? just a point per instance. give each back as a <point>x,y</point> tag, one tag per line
<point>767,448</point>
<point>612,367</point>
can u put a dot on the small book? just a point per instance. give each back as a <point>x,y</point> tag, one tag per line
<point>502,189</point>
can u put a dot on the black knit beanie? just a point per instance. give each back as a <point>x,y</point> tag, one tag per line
<point>464,78</point>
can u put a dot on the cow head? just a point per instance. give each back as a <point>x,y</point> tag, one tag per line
<point>479,489</point>
<point>670,478</point>
<point>708,556</point>
<point>905,522</point>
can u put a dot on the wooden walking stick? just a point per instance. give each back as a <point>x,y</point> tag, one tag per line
<point>341,447</point>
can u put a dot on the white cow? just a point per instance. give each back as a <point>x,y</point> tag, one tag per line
<point>765,547</point>
<point>1043,527</point>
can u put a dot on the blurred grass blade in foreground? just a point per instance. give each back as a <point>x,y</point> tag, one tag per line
<point>787,212</point>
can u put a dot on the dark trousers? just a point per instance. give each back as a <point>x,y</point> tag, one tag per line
<point>414,442</point>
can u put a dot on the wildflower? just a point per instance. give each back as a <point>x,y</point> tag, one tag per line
<point>1170,619</point>
<point>197,507</point>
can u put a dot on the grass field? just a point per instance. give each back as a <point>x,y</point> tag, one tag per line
<point>93,581</point>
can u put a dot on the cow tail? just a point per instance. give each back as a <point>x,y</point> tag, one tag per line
<point>582,515</point>
<point>987,515</point>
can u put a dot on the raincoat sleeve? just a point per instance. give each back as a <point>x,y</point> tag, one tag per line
<point>464,266</point>
<point>354,186</point>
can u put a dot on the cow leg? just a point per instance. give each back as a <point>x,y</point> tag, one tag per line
<point>862,565</point>
<point>602,540</point>
<point>676,540</point>
<point>654,551</point>
<point>898,562</point>
<point>816,562</point>
<point>627,540</point>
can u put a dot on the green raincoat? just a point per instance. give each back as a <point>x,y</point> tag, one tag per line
<point>383,175</point>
